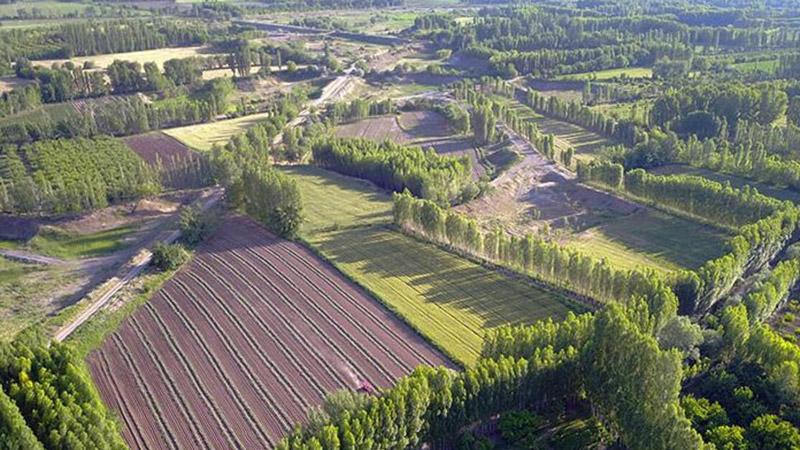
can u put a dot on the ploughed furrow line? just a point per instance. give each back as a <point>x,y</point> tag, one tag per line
<point>188,368</point>
<point>108,383</point>
<point>170,380</point>
<point>288,322</point>
<point>360,316</point>
<point>377,315</point>
<point>216,335</point>
<point>267,336</point>
<point>166,433</point>
<point>294,399</point>
<point>180,426</point>
<point>302,284</point>
<point>255,429</point>
<point>324,325</point>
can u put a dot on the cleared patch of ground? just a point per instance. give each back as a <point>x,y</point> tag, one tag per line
<point>158,56</point>
<point>9,83</point>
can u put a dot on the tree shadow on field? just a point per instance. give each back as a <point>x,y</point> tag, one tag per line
<point>442,278</point>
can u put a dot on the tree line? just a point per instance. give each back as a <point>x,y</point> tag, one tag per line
<point>71,175</point>
<point>397,167</point>
<point>340,112</point>
<point>767,296</point>
<point>547,261</point>
<point>717,203</point>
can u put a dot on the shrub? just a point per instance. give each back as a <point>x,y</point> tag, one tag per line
<point>169,256</point>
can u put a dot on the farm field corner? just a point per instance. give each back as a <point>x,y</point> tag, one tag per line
<point>450,300</point>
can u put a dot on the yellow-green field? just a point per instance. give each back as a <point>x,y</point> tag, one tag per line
<point>158,56</point>
<point>203,136</point>
<point>651,239</point>
<point>448,299</point>
<point>630,72</point>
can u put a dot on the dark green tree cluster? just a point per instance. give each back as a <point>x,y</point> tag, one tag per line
<point>118,36</point>
<point>20,99</point>
<point>522,341</point>
<point>64,82</point>
<point>71,175</point>
<point>358,109</point>
<point>433,405</point>
<point>396,167</point>
<point>547,261</point>
<point>45,386</point>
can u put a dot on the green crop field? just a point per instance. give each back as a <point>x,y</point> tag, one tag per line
<point>450,300</point>
<point>203,136</point>
<point>651,239</point>
<point>586,143</point>
<point>630,72</point>
<point>332,201</point>
<point>61,244</point>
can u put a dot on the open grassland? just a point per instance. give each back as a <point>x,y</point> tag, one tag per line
<point>67,245</point>
<point>332,201</point>
<point>28,293</point>
<point>630,72</point>
<point>586,143</point>
<point>203,136</point>
<point>190,365</point>
<point>651,239</point>
<point>45,8</point>
<point>638,110</point>
<point>158,56</point>
<point>449,299</point>
<point>736,182</point>
<point>768,66</point>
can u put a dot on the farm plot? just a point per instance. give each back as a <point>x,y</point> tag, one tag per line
<point>158,56</point>
<point>652,239</point>
<point>176,162</point>
<point>234,350</point>
<point>449,299</point>
<point>426,129</point>
<point>203,136</point>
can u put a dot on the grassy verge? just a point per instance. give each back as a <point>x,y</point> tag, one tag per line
<point>61,244</point>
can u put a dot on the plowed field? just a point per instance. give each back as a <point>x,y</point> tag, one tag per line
<point>233,351</point>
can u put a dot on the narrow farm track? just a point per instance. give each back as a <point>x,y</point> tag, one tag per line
<point>242,341</point>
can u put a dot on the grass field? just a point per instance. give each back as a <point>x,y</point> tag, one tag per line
<point>332,201</point>
<point>630,72</point>
<point>53,112</point>
<point>60,244</point>
<point>158,56</point>
<point>450,300</point>
<point>203,136</point>
<point>652,239</point>
<point>769,66</point>
<point>586,143</point>
<point>46,8</point>
<point>737,182</point>
<point>638,110</point>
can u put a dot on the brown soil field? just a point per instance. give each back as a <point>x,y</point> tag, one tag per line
<point>166,152</point>
<point>233,351</point>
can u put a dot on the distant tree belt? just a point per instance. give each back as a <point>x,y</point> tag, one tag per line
<point>396,167</point>
<point>544,260</point>
<point>47,401</point>
<point>331,4</point>
<point>122,116</point>
<point>359,109</point>
<point>71,175</point>
<point>94,38</point>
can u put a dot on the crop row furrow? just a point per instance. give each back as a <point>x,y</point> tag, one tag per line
<point>127,413</point>
<point>246,333</point>
<point>331,323</point>
<point>233,391</point>
<point>166,432</point>
<point>290,356</point>
<point>198,435</point>
<point>280,260</point>
<point>234,351</point>
<point>196,382</point>
<point>292,328</point>
<point>325,278</point>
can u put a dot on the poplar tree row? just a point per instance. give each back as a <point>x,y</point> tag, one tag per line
<point>762,301</point>
<point>547,261</point>
<point>359,109</point>
<point>715,202</point>
<point>396,167</point>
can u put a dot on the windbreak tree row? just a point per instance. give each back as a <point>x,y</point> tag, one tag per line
<point>71,175</point>
<point>547,261</point>
<point>396,167</point>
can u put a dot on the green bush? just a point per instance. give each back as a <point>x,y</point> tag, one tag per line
<point>169,256</point>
